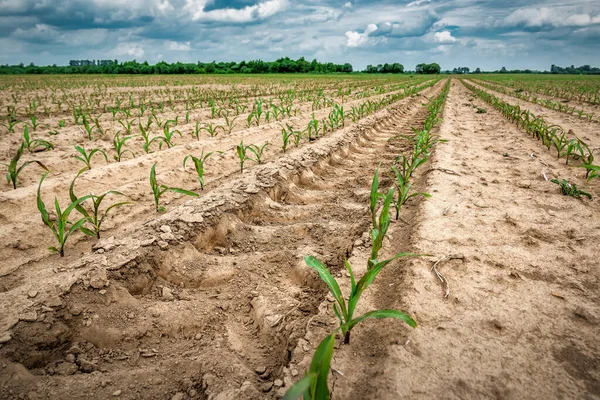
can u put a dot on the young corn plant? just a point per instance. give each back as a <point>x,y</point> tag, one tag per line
<point>62,228</point>
<point>313,385</point>
<point>13,168</point>
<point>167,137</point>
<point>344,309</point>
<point>10,125</point>
<point>199,165</point>
<point>95,217</point>
<point>285,135</point>
<point>229,123</point>
<point>35,145</point>
<point>403,194</point>
<point>159,190</point>
<point>211,129</point>
<point>587,158</point>
<point>145,133</point>
<point>89,129</point>
<point>34,122</point>
<point>242,153</point>
<point>118,144</point>
<point>257,151</point>
<point>86,157</point>
<point>570,189</point>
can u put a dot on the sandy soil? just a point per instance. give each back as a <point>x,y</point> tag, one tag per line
<point>213,301</point>
<point>521,317</point>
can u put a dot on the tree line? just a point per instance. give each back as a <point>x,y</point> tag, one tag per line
<point>281,66</point>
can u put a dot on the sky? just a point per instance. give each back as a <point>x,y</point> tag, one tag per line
<point>454,33</point>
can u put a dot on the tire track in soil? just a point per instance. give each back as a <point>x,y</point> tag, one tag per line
<point>522,316</point>
<point>205,317</point>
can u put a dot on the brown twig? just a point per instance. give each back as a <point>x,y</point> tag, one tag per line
<point>446,170</point>
<point>440,276</point>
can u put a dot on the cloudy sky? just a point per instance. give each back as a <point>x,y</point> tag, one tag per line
<point>454,33</point>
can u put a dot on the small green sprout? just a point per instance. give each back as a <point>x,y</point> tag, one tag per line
<point>199,165</point>
<point>62,228</point>
<point>35,145</point>
<point>14,170</point>
<point>86,157</point>
<point>94,218</point>
<point>159,190</point>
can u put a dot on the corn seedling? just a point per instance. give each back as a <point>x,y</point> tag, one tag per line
<point>313,386</point>
<point>257,151</point>
<point>34,122</point>
<point>95,218</point>
<point>229,123</point>
<point>14,170</point>
<point>10,125</point>
<point>344,310</point>
<point>285,135</point>
<point>211,129</point>
<point>159,190</point>
<point>403,187</point>
<point>35,145</point>
<point>374,198</point>
<point>86,157</point>
<point>572,144</point>
<point>147,141</point>
<point>62,228</point>
<point>167,137</point>
<point>61,123</point>
<point>126,125</point>
<point>570,189</point>
<point>587,157</point>
<point>199,165</point>
<point>242,153</point>
<point>118,144</point>
<point>89,129</point>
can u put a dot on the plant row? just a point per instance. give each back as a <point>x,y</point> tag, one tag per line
<point>586,89</point>
<point>552,136</point>
<point>314,384</point>
<point>548,103</point>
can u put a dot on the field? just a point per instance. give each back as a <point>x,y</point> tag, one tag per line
<point>191,281</point>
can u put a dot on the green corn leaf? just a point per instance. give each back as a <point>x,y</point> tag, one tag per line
<point>300,387</point>
<point>326,276</point>
<point>183,191</point>
<point>87,231</point>
<point>324,353</point>
<point>382,314</point>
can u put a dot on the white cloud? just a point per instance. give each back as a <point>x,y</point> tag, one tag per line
<point>259,11</point>
<point>129,49</point>
<point>417,3</point>
<point>177,46</point>
<point>444,37</point>
<point>544,16</point>
<point>347,5</point>
<point>323,14</point>
<point>355,39</point>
